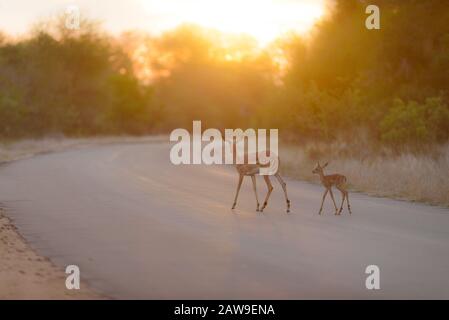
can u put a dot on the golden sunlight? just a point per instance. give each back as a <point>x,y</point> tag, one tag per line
<point>262,19</point>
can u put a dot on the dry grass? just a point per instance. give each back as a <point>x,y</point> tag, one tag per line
<point>422,176</point>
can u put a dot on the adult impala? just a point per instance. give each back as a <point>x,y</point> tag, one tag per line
<point>252,169</point>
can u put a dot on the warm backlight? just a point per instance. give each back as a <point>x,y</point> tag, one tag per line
<point>263,19</point>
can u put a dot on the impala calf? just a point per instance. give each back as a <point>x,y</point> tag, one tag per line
<point>328,181</point>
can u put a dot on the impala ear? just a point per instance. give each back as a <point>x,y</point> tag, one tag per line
<point>325,165</point>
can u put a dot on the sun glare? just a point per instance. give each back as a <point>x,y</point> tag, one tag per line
<point>263,19</point>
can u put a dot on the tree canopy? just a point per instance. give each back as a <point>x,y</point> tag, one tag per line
<point>336,81</point>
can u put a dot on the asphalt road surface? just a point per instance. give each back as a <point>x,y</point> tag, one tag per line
<point>140,227</point>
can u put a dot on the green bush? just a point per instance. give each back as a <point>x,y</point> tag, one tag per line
<point>414,123</point>
<point>129,110</point>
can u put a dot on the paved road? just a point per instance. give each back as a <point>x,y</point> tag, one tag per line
<point>139,227</point>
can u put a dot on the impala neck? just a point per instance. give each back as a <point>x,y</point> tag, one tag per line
<point>321,173</point>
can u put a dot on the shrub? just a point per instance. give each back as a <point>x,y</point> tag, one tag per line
<point>416,124</point>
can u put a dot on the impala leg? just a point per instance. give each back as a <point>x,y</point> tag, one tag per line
<point>333,200</point>
<point>322,200</point>
<point>347,200</point>
<point>343,195</point>
<point>253,178</point>
<point>238,189</point>
<point>284,187</point>
<point>270,188</point>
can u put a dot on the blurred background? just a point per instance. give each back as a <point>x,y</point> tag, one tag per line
<point>374,102</point>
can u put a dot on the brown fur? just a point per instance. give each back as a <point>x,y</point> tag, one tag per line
<point>329,181</point>
<point>251,170</point>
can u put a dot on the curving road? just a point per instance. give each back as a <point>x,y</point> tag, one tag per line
<point>139,227</point>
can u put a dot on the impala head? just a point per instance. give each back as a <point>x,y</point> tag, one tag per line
<point>319,169</point>
<point>232,140</point>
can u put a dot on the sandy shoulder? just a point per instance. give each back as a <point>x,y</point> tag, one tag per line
<point>26,275</point>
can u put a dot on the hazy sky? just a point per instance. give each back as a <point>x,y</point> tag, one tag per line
<point>264,19</point>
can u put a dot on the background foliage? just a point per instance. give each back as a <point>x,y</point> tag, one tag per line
<point>340,81</point>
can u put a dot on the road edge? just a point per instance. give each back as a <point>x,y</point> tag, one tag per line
<point>26,274</point>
